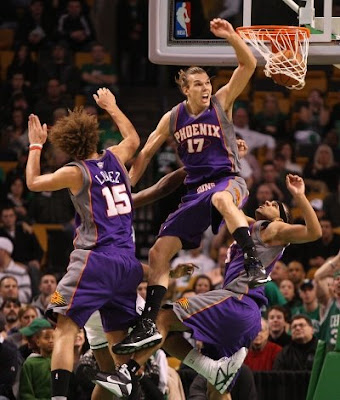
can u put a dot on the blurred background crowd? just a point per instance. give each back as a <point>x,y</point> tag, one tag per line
<point>54,54</point>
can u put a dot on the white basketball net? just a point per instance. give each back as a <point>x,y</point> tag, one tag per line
<point>282,40</point>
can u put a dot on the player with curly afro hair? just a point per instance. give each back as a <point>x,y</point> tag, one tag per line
<point>77,134</point>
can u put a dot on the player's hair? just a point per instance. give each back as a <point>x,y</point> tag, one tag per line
<point>182,79</point>
<point>77,134</point>
<point>285,212</point>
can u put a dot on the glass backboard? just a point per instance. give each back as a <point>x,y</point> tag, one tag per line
<point>179,30</point>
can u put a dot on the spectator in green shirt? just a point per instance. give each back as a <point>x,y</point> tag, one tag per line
<point>310,305</point>
<point>35,376</point>
<point>272,291</point>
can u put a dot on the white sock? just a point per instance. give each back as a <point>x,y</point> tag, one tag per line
<point>201,364</point>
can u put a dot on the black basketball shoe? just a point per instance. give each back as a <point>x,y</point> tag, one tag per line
<point>120,383</point>
<point>257,275</point>
<point>142,336</point>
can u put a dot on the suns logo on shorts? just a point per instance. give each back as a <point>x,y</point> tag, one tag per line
<point>57,299</point>
<point>183,302</point>
<point>237,196</point>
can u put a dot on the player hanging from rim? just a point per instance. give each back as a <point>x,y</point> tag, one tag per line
<point>228,318</point>
<point>103,272</point>
<point>207,146</point>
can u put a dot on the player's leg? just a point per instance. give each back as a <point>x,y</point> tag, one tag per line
<point>145,333</point>
<point>113,338</point>
<point>225,202</point>
<point>121,383</point>
<point>62,356</point>
<point>105,363</point>
<point>220,373</point>
<point>100,349</point>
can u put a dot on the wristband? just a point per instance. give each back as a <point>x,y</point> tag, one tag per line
<point>35,146</point>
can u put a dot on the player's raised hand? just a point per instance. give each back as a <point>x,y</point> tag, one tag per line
<point>183,270</point>
<point>242,147</point>
<point>105,98</point>
<point>37,133</point>
<point>295,184</point>
<point>221,28</point>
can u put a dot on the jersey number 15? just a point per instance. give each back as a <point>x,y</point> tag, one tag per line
<point>117,200</point>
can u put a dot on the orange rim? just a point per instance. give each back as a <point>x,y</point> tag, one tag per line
<point>271,30</point>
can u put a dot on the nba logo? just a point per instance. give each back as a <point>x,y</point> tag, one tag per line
<point>183,19</point>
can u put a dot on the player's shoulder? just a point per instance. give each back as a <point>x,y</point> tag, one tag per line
<point>272,232</point>
<point>71,169</point>
<point>164,122</point>
<point>167,115</point>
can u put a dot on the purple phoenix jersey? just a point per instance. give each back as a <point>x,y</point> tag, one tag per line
<point>230,318</point>
<point>103,273</point>
<point>103,207</point>
<point>206,143</point>
<point>235,278</point>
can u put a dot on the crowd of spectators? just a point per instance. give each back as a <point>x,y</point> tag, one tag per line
<point>43,78</point>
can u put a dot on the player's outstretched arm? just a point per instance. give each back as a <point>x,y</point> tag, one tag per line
<point>326,270</point>
<point>329,267</point>
<point>297,233</point>
<point>166,185</point>
<point>246,63</point>
<point>126,149</point>
<point>154,142</point>
<point>65,177</point>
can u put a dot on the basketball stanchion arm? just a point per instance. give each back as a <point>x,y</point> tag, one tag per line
<point>306,13</point>
<point>292,5</point>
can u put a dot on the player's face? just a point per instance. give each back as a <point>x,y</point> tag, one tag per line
<point>268,210</point>
<point>198,90</point>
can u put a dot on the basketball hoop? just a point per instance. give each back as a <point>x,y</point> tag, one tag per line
<point>286,58</point>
